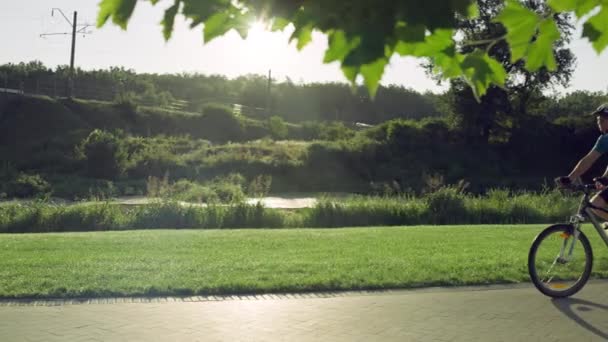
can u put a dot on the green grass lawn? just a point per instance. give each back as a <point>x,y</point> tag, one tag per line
<point>185,262</point>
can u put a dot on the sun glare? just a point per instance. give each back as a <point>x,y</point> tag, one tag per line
<point>264,47</point>
<point>257,27</point>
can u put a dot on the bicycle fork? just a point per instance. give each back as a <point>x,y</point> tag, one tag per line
<point>565,253</point>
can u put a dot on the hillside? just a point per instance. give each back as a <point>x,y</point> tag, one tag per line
<point>83,149</point>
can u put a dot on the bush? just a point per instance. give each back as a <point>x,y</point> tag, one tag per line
<point>155,161</point>
<point>446,206</point>
<point>104,154</point>
<point>26,185</point>
<point>42,217</point>
<point>219,124</point>
<point>126,106</point>
<point>278,127</point>
<point>185,190</point>
<point>260,185</point>
<point>225,189</point>
<point>228,192</point>
<point>77,188</point>
<point>335,131</point>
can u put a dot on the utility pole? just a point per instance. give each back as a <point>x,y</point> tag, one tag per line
<point>73,43</point>
<point>75,30</point>
<point>268,93</point>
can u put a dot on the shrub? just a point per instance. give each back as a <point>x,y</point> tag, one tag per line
<point>446,206</point>
<point>104,154</point>
<point>185,190</point>
<point>157,187</point>
<point>18,184</point>
<point>260,185</point>
<point>155,161</point>
<point>335,131</point>
<point>228,192</point>
<point>26,185</point>
<point>229,188</point>
<point>126,106</point>
<point>78,188</point>
<point>219,124</point>
<point>278,127</point>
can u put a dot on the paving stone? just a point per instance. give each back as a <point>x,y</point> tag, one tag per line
<point>488,313</point>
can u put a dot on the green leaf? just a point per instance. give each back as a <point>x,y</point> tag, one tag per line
<point>481,71</point>
<point>216,25</point>
<point>279,24</point>
<point>585,6</point>
<point>440,40</point>
<point>350,72</point>
<point>241,23</point>
<point>410,33</point>
<point>339,46</point>
<point>200,11</point>
<point>303,35</point>
<point>473,10</point>
<point>563,5</point>
<point>521,24</point>
<point>541,50</point>
<point>448,64</point>
<point>169,20</point>
<point>596,29</point>
<point>465,7</point>
<point>119,10</point>
<point>580,7</point>
<point>372,74</point>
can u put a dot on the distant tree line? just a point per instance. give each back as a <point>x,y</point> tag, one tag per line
<point>292,101</point>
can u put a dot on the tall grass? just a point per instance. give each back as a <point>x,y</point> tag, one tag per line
<point>445,206</point>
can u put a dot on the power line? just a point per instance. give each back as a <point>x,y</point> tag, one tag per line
<point>75,30</point>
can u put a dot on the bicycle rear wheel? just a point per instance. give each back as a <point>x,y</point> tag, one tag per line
<point>553,270</point>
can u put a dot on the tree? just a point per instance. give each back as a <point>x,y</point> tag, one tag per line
<point>363,35</point>
<point>500,112</point>
<point>478,121</point>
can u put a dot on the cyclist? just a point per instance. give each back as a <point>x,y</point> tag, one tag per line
<point>601,146</point>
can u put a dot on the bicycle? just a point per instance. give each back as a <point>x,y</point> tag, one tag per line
<point>560,258</point>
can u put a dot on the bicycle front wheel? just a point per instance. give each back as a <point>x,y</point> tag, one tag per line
<point>558,265</point>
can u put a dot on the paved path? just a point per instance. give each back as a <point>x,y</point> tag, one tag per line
<point>497,313</point>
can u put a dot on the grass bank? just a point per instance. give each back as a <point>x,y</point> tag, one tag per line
<point>189,262</point>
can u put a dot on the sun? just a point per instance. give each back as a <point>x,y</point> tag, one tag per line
<point>263,47</point>
<point>257,27</point>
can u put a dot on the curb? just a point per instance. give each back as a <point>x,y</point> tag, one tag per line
<point>251,297</point>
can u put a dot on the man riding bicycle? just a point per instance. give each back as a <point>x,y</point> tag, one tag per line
<point>601,146</point>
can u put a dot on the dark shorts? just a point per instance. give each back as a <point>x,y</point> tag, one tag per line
<point>604,194</point>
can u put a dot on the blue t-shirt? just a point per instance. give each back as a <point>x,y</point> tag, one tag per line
<point>601,145</point>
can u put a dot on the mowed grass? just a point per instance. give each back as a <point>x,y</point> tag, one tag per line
<point>188,262</point>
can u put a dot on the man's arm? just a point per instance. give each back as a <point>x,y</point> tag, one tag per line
<point>584,164</point>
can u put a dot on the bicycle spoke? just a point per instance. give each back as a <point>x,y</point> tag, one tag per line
<point>559,262</point>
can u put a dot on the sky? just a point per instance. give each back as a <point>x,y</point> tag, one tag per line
<point>142,48</point>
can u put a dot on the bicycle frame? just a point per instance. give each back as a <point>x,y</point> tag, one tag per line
<point>585,211</point>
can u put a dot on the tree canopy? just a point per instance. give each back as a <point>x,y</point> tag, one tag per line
<point>363,35</point>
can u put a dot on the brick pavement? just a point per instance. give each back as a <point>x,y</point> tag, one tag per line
<point>495,313</point>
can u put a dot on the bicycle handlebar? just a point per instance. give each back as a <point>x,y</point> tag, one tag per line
<point>586,188</point>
